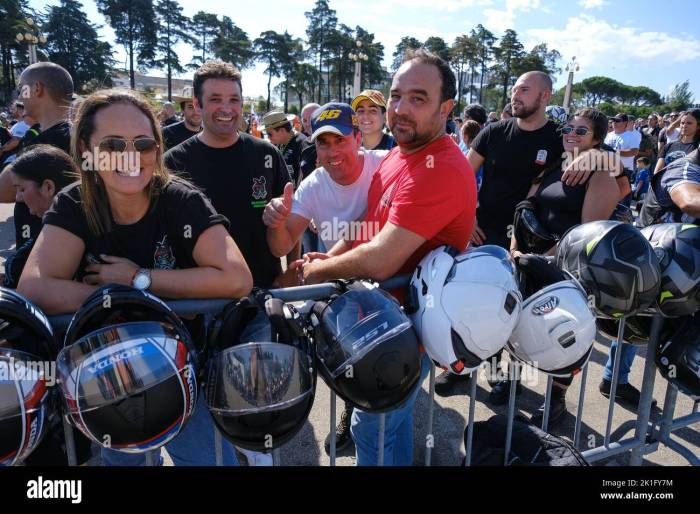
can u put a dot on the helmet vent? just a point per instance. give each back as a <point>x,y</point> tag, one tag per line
<point>567,339</point>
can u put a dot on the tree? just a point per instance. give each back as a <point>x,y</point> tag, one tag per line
<point>12,22</point>
<point>205,27</point>
<point>680,97</point>
<point>540,58</point>
<point>484,41</point>
<point>437,46</point>
<point>407,43</point>
<point>322,22</point>
<point>290,54</point>
<point>598,89</point>
<point>135,27</point>
<point>268,48</point>
<point>73,43</point>
<point>464,56</point>
<point>509,54</point>
<point>172,29</point>
<point>372,71</point>
<point>232,44</point>
<point>340,42</point>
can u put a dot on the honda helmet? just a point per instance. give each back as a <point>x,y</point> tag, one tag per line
<point>614,263</point>
<point>464,305</point>
<point>368,352</point>
<point>127,371</point>
<point>678,357</point>
<point>556,328</point>
<point>27,350</point>
<point>677,247</point>
<point>261,378</point>
<point>531,235</point>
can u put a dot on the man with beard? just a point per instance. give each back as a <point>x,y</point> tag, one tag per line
<point>423,195</point>
<point>178,132</point>
<point>513,153</point>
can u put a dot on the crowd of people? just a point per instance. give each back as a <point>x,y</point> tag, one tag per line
<point>215,204</point>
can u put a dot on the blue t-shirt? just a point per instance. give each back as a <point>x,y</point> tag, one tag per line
<point>642,175</point>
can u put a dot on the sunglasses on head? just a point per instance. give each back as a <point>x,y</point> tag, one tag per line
<point>579,131</point>
<point>119,144</point>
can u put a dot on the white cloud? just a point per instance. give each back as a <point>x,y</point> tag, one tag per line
<point>592,4</point>
<point>500,20</point>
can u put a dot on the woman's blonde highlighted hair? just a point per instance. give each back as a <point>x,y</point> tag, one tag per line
<point>94,197</point>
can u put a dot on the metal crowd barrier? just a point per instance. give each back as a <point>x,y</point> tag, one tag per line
<point>646,438</point>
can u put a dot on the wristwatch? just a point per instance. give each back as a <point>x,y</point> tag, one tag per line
<point>141,279</point>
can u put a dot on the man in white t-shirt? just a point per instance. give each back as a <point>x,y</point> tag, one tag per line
<point>626,143</point>
<point>334,196</point>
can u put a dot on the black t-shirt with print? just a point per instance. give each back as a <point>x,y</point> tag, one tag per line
<point>240,180</point>
<point>175,134</point>
<point>387,142</point>
<point>164,238</point>
<point>513,158</point>
<point>28,226</point>
<point>676,150</point>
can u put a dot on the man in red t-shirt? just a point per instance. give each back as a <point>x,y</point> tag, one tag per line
<point>423,195</point>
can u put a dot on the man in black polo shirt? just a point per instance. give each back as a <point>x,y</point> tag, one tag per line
<point>178,132</point>
<point>238,172</point>
<point>278,127</point>
<point>46,90</point>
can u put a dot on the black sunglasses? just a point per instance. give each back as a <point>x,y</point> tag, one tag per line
<point>119,144</point>
<point>580,131</point>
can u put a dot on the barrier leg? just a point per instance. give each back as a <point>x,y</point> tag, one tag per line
<point>613,384</point>
<point>646,394</point>
<point>579,407</point>
<point>514,375</point>
<point>332,428</point>
<point>470,418</point>
<point>276,457</point>
<point>70,441</point>
<point>547,403</point>
<point>430,439</point>
<point>150,458</point>
<point>218,448</point>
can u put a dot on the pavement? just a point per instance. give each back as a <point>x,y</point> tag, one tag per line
<point>450,414</point>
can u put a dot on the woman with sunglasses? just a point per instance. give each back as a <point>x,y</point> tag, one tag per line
<point>129,221</point>
<point>559,207</point>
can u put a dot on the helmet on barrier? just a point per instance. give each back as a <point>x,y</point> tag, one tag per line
<point>261,378</point>
<point>464,305</point>
<point>27,347</point>
<point>678,357</point>
<point>637,329</point>
<point>556,328</point>
<point>368,352</point>
<point>557,114</point>
<point>127,371</point>
<point>614,263</point>
<point>531,235</point>
<point>677,247</point>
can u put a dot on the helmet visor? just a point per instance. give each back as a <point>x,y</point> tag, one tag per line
<point>354,324</point>
<point>23,383</point>
<point>120,361</point>
<point>257,377</point>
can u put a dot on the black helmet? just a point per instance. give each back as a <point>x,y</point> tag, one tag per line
<point>677,247</point>
<point>614,263</point>
<point>367,348</point>
<point>531,235</point>
<point>127,371</point>
<point>678,357</point>
<point>261,380</point>
<point>637,329</point>
<point>27,349</point>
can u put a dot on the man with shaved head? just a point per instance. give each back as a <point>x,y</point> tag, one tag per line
<point>513,152</point>
<point>46,89</point>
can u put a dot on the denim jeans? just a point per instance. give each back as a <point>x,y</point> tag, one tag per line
<point>398,431</point>
<point>193,446</point>
<point>626,358</point>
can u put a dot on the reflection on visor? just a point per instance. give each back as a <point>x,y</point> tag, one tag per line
<point>356,323</point>
<point>22,384</point>
<point>120,361</point>
<point>258,377</point>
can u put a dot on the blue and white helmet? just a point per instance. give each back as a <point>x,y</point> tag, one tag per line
<point>557,114</point>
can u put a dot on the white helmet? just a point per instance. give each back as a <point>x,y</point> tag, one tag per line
<point>556,330</point>
<point>557,114</point>
<point>464,305</point>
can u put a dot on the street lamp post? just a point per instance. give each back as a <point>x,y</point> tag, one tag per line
<point>33,37</point>
<point>571,68</point>
<point>358,57</point>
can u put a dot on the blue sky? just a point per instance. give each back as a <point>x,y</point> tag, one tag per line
<point>651,43</point>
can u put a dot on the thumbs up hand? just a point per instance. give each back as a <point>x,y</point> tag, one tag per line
<point>279,209</point>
